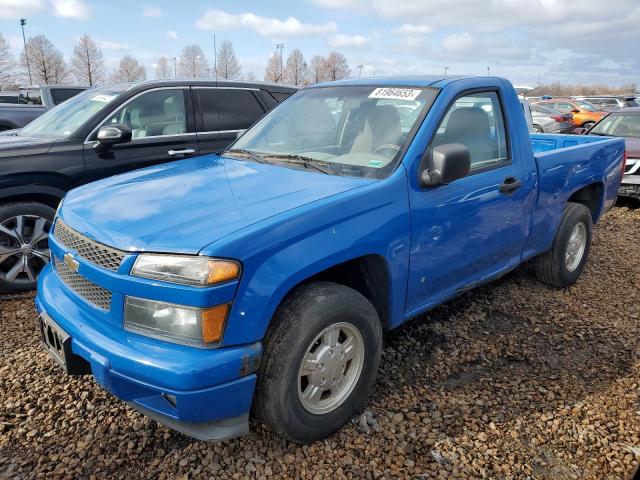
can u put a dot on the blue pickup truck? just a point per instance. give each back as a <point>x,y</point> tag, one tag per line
<point>260,281</point>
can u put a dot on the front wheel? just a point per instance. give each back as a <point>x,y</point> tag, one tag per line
<point>24,244</point>
<point>320,360</point>
<point>563,263</point>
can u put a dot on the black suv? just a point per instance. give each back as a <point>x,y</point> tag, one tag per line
<point>102,132</point>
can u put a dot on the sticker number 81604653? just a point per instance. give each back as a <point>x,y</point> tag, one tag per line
<point>395,93</point>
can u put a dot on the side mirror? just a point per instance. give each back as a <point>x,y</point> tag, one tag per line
<point>109,135</point>
<point>449,162</point>
<point>575,110</point>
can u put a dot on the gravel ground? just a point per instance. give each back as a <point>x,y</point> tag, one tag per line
<point>513,380</point>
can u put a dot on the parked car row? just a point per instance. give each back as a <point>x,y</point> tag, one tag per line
<point>103,132</point>
<point>19,108</point>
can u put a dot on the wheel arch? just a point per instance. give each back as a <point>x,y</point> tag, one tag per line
<point>591,196</point>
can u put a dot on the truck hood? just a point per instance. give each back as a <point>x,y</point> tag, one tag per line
<point>184,206</point>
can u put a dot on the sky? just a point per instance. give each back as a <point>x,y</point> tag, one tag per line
<point>526,41</point>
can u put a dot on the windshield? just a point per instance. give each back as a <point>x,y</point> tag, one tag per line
<point>618,125</point>
<point>586,106</point>
<point>347,130</point>
<point>65,119</point>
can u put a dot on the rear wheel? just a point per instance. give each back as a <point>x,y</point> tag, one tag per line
<point>562,265</point>
<point>588,125</point>
<point>538,129</point>
<point>320,360</point>
<point>24,244</point>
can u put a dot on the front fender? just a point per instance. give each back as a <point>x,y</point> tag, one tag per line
<point>280,253</point>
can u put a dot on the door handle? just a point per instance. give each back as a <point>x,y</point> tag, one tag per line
<point>184,151</point>
<point>510,184</point>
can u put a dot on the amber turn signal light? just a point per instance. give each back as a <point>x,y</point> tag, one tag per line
<point>212,321</point>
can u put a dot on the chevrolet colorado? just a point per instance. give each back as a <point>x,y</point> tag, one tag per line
<point>260,280</point>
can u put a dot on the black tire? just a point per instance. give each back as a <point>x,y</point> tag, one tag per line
<point>551,267</point>
<point>588,125</point>
<point>537,129</point>
<point>303,316</point>
<point>7,213</point>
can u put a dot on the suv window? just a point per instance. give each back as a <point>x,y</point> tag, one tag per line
<point>476,121</point>
<point>237,109</point>
<point>59,95</point>
<point>152,114</point>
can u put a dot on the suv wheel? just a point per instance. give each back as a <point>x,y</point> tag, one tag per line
<point>320,360</point>
<point>24,244</point>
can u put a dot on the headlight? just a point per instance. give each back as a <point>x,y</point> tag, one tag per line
<point>175,323</point>
<point>185,269</point>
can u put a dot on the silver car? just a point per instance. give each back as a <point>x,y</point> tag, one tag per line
<point>611,103</point>
<point>548,120</point>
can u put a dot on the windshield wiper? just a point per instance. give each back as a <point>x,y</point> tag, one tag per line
<point>307,162</point>
<point>247,153</point>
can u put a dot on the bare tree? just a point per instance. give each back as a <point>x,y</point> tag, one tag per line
<point>7,64</point>
<point>296,72</point>
<point>227,63</point>
<point>317,69</point>
<point>163,69</point>
<point>336,66</point>
<point>129,71</point>
<point>192,63</point>
<point>87,63</point>
<point>273,68</point>
<point>249,77</point>
<point>46,61</point>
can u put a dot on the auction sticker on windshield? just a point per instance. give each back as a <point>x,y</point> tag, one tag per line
<point>395,93</point>
<point>103,98</point>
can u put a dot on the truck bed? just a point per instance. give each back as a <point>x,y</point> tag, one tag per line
<point>567,163</point>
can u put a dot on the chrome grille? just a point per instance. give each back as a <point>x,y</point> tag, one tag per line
<point>84,288</point>
<point>94,252</point>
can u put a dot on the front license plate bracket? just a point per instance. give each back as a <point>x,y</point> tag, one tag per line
<point>58,343</point>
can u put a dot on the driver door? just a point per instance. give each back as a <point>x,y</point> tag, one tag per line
<point>162,131</point>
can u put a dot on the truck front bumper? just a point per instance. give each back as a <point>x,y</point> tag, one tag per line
<point>205,393</point>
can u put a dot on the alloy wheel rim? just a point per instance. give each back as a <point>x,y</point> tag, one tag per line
<point>24,248</point>
<point>330,368</point>
<point>576,246</point>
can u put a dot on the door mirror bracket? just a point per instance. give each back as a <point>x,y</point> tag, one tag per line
<point>444,164</point>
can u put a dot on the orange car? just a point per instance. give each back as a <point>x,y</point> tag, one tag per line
<point>584,114</point>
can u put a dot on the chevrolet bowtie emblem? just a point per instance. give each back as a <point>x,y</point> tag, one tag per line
<point>71,262</point>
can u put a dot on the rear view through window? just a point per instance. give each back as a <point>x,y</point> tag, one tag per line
<point>350,130</point>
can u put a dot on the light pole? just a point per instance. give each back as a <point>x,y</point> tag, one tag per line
<point>23,22</point>
<point>280,47</point>
<point>488,71</point>
<point>445,70</point>
<point>175,70</point>
<point>360,67</point>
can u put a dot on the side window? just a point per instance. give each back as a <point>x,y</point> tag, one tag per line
<point>152,114</point>
<point>237,109</point>
<point>564,107</point>
<point>476,121</point>
<point>59,95</point>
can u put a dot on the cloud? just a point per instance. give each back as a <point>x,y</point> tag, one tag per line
<point>412,29</point>
<point>171,35</point>
<point>70,9</point>
<point>458,42</point>
<point>340,4</point>
<point>152,11</point>
<point>268,27</point>
<point>348,41</point>
<point>15,9</point>
<point>107,45</point>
